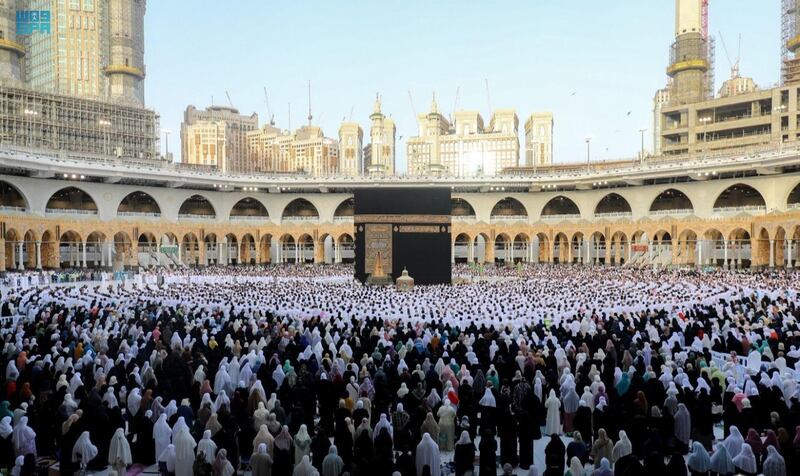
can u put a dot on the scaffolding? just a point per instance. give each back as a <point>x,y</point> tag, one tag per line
<point>790,63</point>
<point>72,124</point>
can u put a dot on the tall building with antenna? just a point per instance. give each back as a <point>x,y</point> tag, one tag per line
<point>351,153</point>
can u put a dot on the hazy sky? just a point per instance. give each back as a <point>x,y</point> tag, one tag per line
<point>535,54</point>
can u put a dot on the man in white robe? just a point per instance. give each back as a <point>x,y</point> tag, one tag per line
<point>553,405</point>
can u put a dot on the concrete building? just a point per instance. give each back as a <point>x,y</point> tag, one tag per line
<point>12,52</point>
<point>379,154</point>
<point>738,121</point>
<point>539,139</point>
<point>351,149</point>
<point>660,100</point>
<point>465,148</point>
<point>208,123</point>
<point>206,144</point>
<point>306,151</point>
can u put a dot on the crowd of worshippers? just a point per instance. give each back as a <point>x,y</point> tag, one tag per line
<point>637,368</point>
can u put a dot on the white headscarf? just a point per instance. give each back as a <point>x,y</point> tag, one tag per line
<point>428,455</point>
<point>622,448</point>
<point>22,435</point>
<point>733,443</point>
<point>383,422</point>
<point>83,451</point>
<point>746,460</point>
<point>699,461</point>
<point>304,468</point>
<point>774,465</point>
<point>207,446</point>
<point>5,427</point>
<point>721,462</point>
<point>119,449</point>
<point>184,451</point>
<point>487,400</point>
<point>168,456</point>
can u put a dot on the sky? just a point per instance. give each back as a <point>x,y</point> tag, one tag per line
<point>595,64</point>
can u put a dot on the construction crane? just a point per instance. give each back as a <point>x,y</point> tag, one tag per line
<point>733,64</point>
<point>488,97</point>
<point>229,99</point>
<point>269,111</point>
<point>413,109</point>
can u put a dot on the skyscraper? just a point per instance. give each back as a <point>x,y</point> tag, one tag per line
<point>379,155</point>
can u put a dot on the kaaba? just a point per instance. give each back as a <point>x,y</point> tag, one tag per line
<point>403,228</point>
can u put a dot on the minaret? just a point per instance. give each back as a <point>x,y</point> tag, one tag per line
<point>11,52</point>
<point>689,54</point>
<point>382,137</point>
<point>125,69</point>
<point>790,41</point>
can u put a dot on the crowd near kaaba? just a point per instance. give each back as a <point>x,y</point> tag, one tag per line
<point>299,370</point>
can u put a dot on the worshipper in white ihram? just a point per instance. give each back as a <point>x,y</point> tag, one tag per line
<point>428,455</point>
<point>553,405</point>
<point>184,452</point>
<point>119,452</point>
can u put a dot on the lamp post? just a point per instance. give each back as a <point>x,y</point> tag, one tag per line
<point>29,115</point>
<point>642,131</point>
<point>104,124</point>
<point>588,154</point>
<point>166,132</point>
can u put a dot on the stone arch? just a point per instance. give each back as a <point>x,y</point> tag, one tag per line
<point>521,248</point>
<point>12,198</point>
<point>49,250</point>
<point>544,254</point>
<point>71,246</point>
<point>190,249</point>
<point>745,251</point>
<point>300,209</point>
<point>793,200</point>
<point>249,208</point>
<point>502,245</point>
<point>509,208</point>
<point>346,209</point>
<point>197,206</point>
<point>598,247</point>
<point>265,249</point>
<point>686,248</point>
<point>212,248</point>
<point>123,254</point>
<point>247,249</point>
<point>560,206</point>
<point>72,200</point>
<point>740,196</point>
<point>347,248</point>
<point>139,203</point>
<point>620,247</point>
<point>287,249</point>
<point>461,248</point>
<point>230,249</point>
<point>671,201</point>
<point>578,244</point>
<point>30,240</point>
<point>612,204</point>
<point>305,248</point>
<point>96,249</point>
<point>483,250</point>
<point>562,251</point>
<point>460,207</point>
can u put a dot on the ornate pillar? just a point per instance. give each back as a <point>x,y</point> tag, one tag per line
<point>83,262</point>
<point>771,253</point>
<point>20,252</point>
<point>608,254</point>
<point>725,254</point>
<point>3,254</point>
<point>319,252</point>
<point>699,254</point>
<point>39,255</point>
<point>220,246</point>
<point>471,251</point>
<point>789,256</point>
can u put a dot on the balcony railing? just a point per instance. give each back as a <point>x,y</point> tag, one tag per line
<point>249,218</point>
<point>69,211</point>
<point>672,213</point>
<point>751,209</point>
<point>300,218</point>
<point>139,214</point>
<point>569,216</point>
<point>793,206</point>
<point>464,218</point>
<point>613,215</point>
<point>508,218</point>
<point>9,209</point>
<point>193,217</point>
<point>345,219</point>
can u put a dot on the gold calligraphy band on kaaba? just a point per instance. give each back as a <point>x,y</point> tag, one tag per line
<point>416,219</point>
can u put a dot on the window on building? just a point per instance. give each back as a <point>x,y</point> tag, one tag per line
<point>88,5</point>
<point>75,4</point>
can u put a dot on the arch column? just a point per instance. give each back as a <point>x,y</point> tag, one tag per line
<point>39,255</point>
<point>3,255</point>
<point>319,252</point>
<point>789,257</point>
<point>222,246</point>
<point>20,260</point>
<point>725,264</point>
<point>83,255</point>
<point>771,253</point>
<point>489,252</point>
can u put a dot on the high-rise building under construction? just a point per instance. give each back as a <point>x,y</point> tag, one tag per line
<point>691,55</point>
